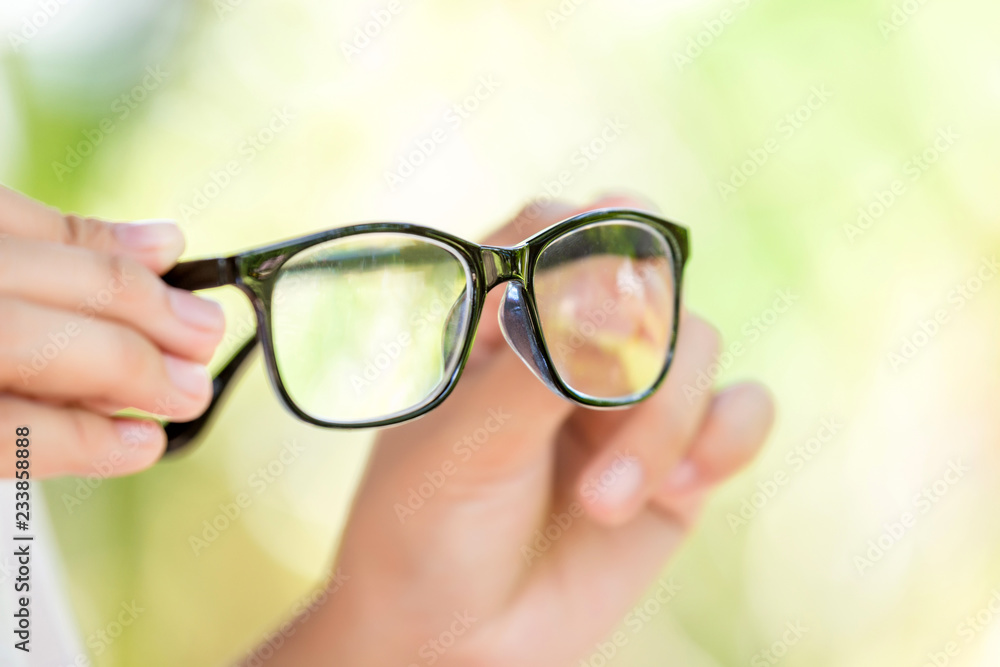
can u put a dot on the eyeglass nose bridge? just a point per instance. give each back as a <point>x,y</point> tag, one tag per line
<point>518,321</point>
<point>503,264</point>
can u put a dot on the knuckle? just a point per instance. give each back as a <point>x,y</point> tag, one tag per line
<point>117,279</point>
<point>88,435</point>
<point>122,272</point>
<point>73,229</point>
<point>86,232</point>
<point>118,270</point>
<point>127,279</point>
<point>137,361</point>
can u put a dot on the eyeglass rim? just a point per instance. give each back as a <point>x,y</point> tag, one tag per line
<point>259,269</point>
<point>255,272</point>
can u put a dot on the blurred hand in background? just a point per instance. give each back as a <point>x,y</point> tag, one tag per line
<point>538,524</point>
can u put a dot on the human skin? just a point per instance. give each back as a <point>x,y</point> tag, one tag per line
<point>84,294</point>
<point>87,328</point>
<point>466,568</point>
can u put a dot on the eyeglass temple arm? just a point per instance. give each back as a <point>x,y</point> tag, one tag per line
<point>196,275</point>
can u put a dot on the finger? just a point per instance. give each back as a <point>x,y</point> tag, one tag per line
<point>113,287</point>
<point>533,218</point>
<point>648,442</point>
<point>155,243</point>
<point>54,355</point>
<point>73,441</point>
<point>734,430</point>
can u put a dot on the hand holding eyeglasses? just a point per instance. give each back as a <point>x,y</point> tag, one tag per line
<point>509,525</point>
<point>512,527</point>
<point>88,328</point>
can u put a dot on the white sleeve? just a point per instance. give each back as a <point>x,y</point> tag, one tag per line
<point>54,637</point>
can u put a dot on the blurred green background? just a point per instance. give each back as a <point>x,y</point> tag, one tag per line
<point>842,156</point>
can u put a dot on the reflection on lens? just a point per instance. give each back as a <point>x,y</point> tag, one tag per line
<point>605,296</point>
<point>369,326</point>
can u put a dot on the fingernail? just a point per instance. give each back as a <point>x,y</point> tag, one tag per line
<point>620,482</point>
<point>681,478</point>
<point>149,234</point>
<point>196,311</point>
<point>142,440</point>
<point>189,377</point>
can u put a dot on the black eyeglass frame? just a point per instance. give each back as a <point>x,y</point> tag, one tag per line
<point>255,273</point>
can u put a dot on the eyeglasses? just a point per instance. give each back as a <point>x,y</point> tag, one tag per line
<point>372,325</point>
